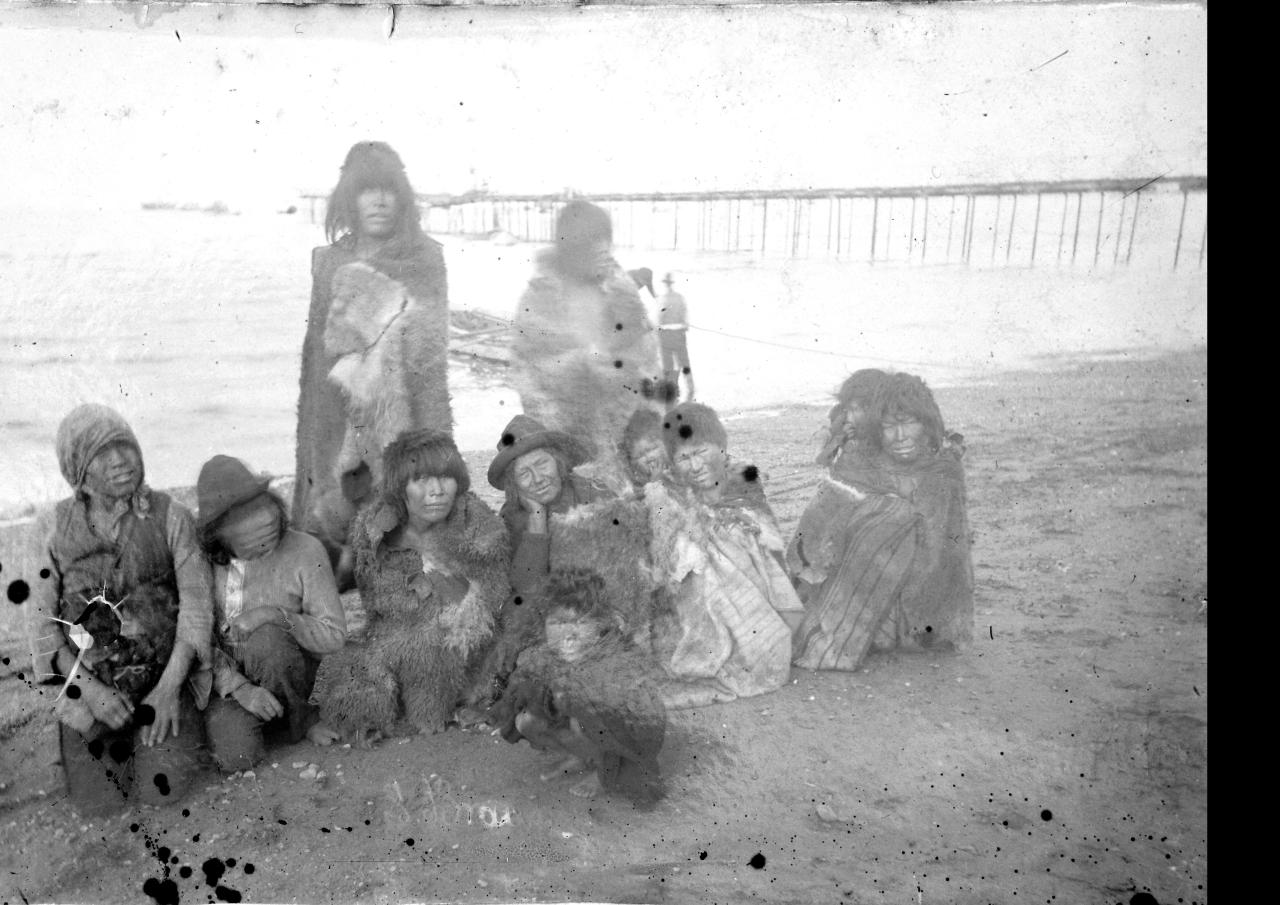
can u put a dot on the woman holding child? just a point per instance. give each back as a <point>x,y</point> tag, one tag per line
<point>881,554</point>
<point>431,563</point>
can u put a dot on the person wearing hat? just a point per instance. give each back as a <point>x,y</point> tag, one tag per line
<point>583,349</point>
<point>276,613</point>
<point>121,621</point>
<point>673,338</point>
<point>379,266</point>
<point>534,466</point>
<point>431,565</point>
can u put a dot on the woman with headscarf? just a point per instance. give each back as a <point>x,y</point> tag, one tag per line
<point>431,565</point>
<point>717,552</point>
<point>881,555</point>
<point>584,351</point>
<point>375,356</point>
<point>122,622</point>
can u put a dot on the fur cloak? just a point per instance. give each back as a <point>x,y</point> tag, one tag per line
<point>584,375</point>
<point>407,387</point>
<point>427,635</point>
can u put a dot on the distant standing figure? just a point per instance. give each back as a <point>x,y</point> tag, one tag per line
<point>379,291</point>
<point>583,348</point>
<point>673,338</point>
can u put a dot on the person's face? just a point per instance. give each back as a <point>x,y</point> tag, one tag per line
<point>902,437</point>
<point>700,465</point>
<point>252,528</point>
<point>537,476</point>
<point>115,472</point>
<point>430,499</point>
<point>649,457</point>
<point>570,636</point>
<point>376,213</point>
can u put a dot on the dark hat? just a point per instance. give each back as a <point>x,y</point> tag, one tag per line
<point>669,279</point>
<point>223,484</point>
<point>525,434</point>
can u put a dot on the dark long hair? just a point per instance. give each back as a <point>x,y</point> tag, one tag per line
<point>908,395</point>
<point>420,454</point>
<point>860,387</point>
<point>373,165</point>
<point>215,550</point>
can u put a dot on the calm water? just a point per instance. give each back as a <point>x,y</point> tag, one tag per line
<point>191,325</point>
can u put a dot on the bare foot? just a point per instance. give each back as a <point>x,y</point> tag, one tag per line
<point>565,767</point>
<point>366,737</point>
<point>588,787</point>
<point>322,735</point>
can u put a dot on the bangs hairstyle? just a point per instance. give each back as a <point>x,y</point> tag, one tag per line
<point>860,387</point>
<point>509,476</point>
<point>908,395</point>
<point>580,593</point>
<point>372,165</point>
<point>208,538</point>
<point>420,454</point>
<point>693,422</point>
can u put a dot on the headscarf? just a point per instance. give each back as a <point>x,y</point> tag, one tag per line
<point>86,431</point>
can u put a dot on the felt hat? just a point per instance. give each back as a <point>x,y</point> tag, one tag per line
<point>525,434</point>
<point>669,279</point>
<point>225,483</point>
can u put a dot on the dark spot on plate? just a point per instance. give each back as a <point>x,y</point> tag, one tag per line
<point>685,432</point>
<point>18,592</point>
<point>45,573</point>
<point>73,692</point>
<point>164,892</point>
<point>751,473</point>
<point>617,362</point>
<point>1046,814</point>
<point>161,781</point>
<point>213,870</point>
<point>144,715</point>
<point>757,861</point>
<point>508,439</point>
<point>702,856</point>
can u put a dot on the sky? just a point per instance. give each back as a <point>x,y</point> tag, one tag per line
<point>253,106</point>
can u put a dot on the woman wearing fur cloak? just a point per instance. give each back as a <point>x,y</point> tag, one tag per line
<point>718,553</point>
<point>431,565</point>
<point>375,357</point>
<point>881,554</point>
<point>584,349</point>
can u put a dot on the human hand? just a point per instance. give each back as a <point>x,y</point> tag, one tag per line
<point>537,514</point>
<point>248,622</point>
<point>105,703</point>
<point>163,701</point>
<point>258,701</point>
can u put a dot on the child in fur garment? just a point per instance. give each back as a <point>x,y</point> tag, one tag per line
<point>585,694</point>
<point>375,329</point>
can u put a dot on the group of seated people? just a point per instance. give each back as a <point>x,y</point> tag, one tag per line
<point>575,617</point>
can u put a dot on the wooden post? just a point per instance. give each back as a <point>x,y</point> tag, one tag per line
<point>764,230</point>
<point>995,229</point>
<point>875,225</point>
<point>951,223</point>
<point>911,231</point>
<point>1062,229</point>
<point>1097,243</point>
<point>1076,241</point>
<point>1013,216</point>
<point>1133,226</point>
<point>1124,202</point>
<point>1182,218</point>
<point>1035,230</point>
<point>924,242</point>
<point>1204,238</point>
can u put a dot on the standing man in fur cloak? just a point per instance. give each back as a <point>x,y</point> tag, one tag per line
<point>375,357</point>
<point>584,350</point>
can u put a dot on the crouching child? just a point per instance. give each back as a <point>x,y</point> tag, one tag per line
<point>277,612</point>
<point>584,693</point>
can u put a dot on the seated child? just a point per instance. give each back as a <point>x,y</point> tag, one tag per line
<point>276,611</point>
<point>586,695</point>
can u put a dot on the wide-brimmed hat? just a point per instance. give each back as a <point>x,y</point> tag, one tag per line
<point>669,279</point>
<point>225,483</point>
<point>524,434</point>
